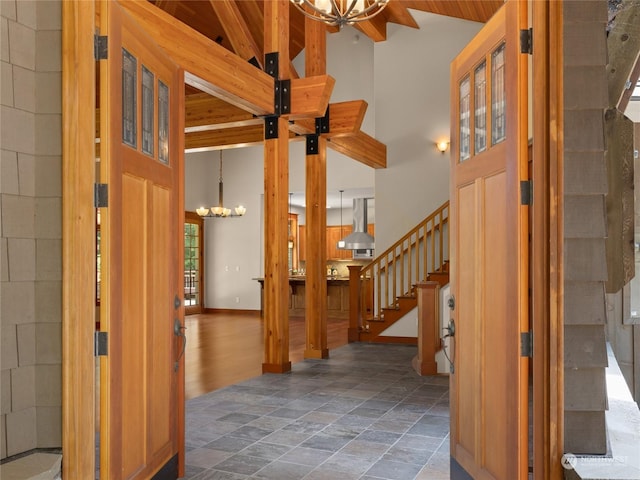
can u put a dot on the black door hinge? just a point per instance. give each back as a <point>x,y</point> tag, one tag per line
<point>100,195</point>
<point>100,47</point>
<point>526,344</point>
<point>101,344</point>
<point>526,192</point>
<point>526,41</point>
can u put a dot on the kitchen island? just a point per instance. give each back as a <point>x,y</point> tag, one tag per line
<point>337,296</point>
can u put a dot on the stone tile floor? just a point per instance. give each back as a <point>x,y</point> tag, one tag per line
<point>364,413</point>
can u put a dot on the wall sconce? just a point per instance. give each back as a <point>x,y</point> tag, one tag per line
<point>442,146</point>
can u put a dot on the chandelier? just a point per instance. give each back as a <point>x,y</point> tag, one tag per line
<point>220,210</point>
<point>340,12</point>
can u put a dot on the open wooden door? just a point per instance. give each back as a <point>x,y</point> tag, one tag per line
<point>489,252</point>
<point>141,162</point>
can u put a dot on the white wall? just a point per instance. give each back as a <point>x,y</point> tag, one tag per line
<point>405,81</point>
<point>412,113</point>
<point>233,252</point>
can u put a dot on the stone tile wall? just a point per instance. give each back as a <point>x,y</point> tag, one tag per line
<point>31,225</point>
<point>585,226</point>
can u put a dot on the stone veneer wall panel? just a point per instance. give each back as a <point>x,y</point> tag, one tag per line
<point>585,269</point>
<point>31,226</point>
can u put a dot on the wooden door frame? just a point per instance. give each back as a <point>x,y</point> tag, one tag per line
<point>197,219</point>
<point>547,241</point>
<point>78,239</point>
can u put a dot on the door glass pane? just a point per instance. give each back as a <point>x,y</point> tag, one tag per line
<point>498,96</point>
<point>480,104</point>
<point>163,123</point>
<point>465,121</point>
<point>129,99</point>
<point>147,111</point>
<point>191,264</point>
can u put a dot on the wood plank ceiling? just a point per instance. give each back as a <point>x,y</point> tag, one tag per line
<point>212,123</point>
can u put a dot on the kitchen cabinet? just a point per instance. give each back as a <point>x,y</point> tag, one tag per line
<point>337,296</point>
<point>334,233</point>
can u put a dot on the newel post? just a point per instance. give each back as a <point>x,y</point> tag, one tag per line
<point>355,314</point>
<point>424,363</point>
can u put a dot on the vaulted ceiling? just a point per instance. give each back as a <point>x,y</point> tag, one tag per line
<point>238,26</point>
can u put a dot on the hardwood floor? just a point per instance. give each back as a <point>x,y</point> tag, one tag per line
<point>227,347</point>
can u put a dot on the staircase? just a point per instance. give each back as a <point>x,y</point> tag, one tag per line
<point>383,291</point>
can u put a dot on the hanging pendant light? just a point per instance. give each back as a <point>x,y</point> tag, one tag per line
<point>220,210</point>
<point>340,12</point>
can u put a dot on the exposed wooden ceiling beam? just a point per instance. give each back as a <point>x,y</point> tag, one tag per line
<point>204,112</point>
<point>361,147</point>
<point>345,118</point>
<point>227,138</point>
<point>237,30</point>
<point>397,12</point>
<point>376,28</point>
<point>207,63</point>
<point>310,96</point>
<point>309,99</point>
<point>475,10</point>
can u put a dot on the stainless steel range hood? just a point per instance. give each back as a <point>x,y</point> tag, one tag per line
<point>359,238</point>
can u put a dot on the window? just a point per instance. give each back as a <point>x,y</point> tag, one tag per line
<point>193,263</point>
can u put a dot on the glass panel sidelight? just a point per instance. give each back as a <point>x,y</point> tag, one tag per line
<point>129,99</point>
<point>498,96</point>
<point>163,123</point>
<point>480,106</point>
<point>147,111</point>
<point>465,120</point>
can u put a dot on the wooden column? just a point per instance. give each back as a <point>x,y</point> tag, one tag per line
<point>355,313</point>
<point>316,214</point>
<point>276,214</point>
<point>424,363</point>
<point>316,250</point>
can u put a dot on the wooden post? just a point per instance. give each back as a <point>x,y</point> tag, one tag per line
<point>276,212</point>
<point>316,199</point>
<point>355,314</point>
<point>316,249</point>
<point>428,332</point>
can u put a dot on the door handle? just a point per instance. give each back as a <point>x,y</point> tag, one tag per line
<point>451,333</point>
<point>178,331</point>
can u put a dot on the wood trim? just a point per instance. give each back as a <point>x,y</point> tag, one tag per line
<point>78,239</point>
<point>546,241</point>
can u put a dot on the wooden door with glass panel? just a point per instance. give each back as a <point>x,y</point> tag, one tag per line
<point>489,255</point>
<point>141,378</point>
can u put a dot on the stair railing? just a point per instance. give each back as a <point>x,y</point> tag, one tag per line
<point>395,272</point>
